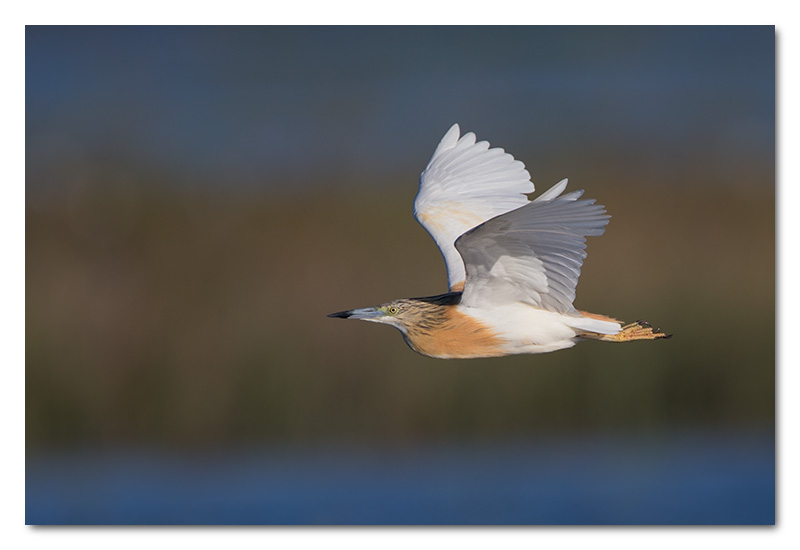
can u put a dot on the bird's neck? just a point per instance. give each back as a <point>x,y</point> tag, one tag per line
<point>447,332</point>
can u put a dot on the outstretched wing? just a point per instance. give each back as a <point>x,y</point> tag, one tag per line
<point>532,254</point>
<point>465,184</point>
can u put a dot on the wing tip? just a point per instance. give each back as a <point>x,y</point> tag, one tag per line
<point>553,192</point>
<point>450,137</point>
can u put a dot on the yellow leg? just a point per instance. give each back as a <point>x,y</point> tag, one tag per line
<point>640,330</point>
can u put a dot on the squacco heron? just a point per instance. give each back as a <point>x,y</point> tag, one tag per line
<point>512,263</point>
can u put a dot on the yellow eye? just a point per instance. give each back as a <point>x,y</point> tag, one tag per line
<point>392,310</point>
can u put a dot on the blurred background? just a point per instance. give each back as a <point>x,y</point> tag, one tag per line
<point>199,198</point>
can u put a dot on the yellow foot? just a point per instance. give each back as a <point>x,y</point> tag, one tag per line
<point>640,330</point>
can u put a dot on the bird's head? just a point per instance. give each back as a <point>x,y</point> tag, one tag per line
<point>401,314</point>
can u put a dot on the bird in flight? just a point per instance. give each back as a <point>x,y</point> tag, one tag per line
<point>512,263</point>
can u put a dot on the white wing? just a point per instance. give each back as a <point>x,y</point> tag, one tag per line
<point>532,254</point>
<point>465,184</point>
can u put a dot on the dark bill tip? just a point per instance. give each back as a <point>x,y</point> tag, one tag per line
<point>341,314</point>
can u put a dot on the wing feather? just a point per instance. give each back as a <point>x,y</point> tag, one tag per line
<point>532,254</point>
<point>466,183</point>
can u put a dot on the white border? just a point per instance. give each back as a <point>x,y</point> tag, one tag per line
<point>16,15</point>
